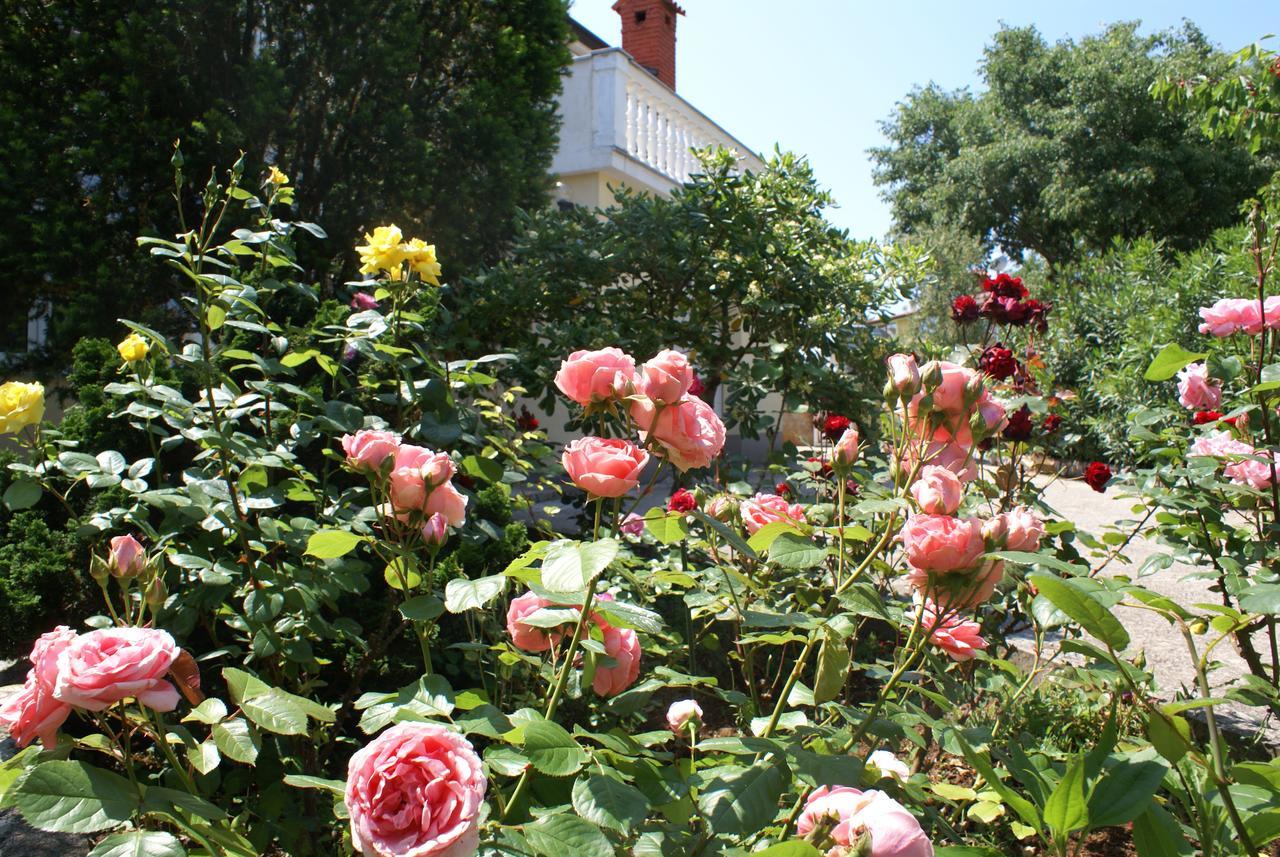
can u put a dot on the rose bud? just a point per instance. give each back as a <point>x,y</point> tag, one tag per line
<point>435,531</point>
<point>846,451</point>
<point>904,375</point>
<point>127,558</point>
<point>931,375</point>
<point>681,714</point>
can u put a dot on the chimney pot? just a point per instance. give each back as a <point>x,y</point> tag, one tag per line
<point>651,39</point>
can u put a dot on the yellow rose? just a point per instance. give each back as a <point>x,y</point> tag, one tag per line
<point>278,177</point>
<point>383,252</point>
<point>21,405</point>
<point>133,348</point>
<point>422,260</point>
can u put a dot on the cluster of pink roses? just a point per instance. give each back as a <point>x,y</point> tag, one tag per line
<point>1240,315</point>
<point>417,480</point>
<point>857,820</point>
<point>620,644</point>
<point>948,412</point>
<point>671,421</point>
<point>764,509</point>
<point>1247,466</point>
<point>92,672</point>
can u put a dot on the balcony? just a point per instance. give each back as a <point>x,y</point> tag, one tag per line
<point>620,125</point>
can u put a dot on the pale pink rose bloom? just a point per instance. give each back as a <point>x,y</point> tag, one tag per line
<point>632,524</point>
<point>33,712</point>
<point>436,530</point>
<point>949,396</point>
<point>1252,472</point>
<point>1023,530</point>
<point>904,374</point>
<point>1219,444</point>
<point>438,469</point>
<point>894,831</point>
<point>527,637</point>
<point>889,765</point>
<point>949,454</point>
<point>367,449</point>
<point>1232,315</point>
<point>764,509</point>
<point>666,377</point>
<point>623,646</point>
<point>958,591</point>
<point>846,451</point>
<point>100,668</point>
<point>937,490</point>
<point>594,376</point>
<point>690,432</point>
<point>722,507</point>
<point>416,791</point>
<point>363,301</point>
<point>941,543</point>
<point>408,490</point>
<point>604,467</point>
<point>1196,390</point>
<point>447,501</point>
<point>681,713</point>
<point>958,636</point>
<point>127,557</point>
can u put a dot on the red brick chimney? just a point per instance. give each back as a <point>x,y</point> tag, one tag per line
<point>649,35</point>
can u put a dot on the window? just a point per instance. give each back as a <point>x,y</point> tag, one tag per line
<point>640,16</point>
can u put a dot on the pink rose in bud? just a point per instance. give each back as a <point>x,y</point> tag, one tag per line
<point>994,532</point>
<point>100,668</point>
<point>595,376</point>
<point>666,377</point>
<point>436,530</point>
<point>527,637</point>
<point>34,712</point>
<point>127,558</point>
<point>416,791</point>
<point>955,634</point>
<point>690,433</point>
<point>722,507</point>
<point>681,714</point>
<point>764,509</point>
<point>889,765</point>
<point>1196,390</point>
<point>448,502</point>
<point>623,646</point>
<point>940,543</point>
<point>904,375</point>
<point>894,831</point>
<point>363,301</point>
<point>937,490</point>
<point>604,467</point>
<point>1023,530</point>
<point>1254,472</point>
<point>367,449</point>
<point>632,524</point>
<point>846,451</point>
<point>438,469</point>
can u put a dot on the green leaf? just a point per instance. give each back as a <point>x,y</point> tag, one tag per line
<point>833,669</point>
<point>764,537</point>
<point>964,851</point>
<point>570,566</point>
<point>276,712</point>
<point>1171,359</point>
<point>1023,807</point>
<point>462,594</point>
<point>139,843</point>
<point>422,608</point>
<point>1170,735</point>
<point>488,469</point>
<point>798,848</point>
<point>22,494</point>
<point>567,836</point>
<point>331,544</point>
<point>72,797</point>
<point>1157,834</point>
<point>237,740</point>
<point>743,801</point>
<point>1125,791</point>
<point>792,550</point>
<point>551,749</point>
<point>667,528</point>
<point>609,803</point>
<point>1072,599</point>
<point>1066,810</point>
<point>298,781</point>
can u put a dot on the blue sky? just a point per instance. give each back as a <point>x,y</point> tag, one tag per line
<point>817,76</point>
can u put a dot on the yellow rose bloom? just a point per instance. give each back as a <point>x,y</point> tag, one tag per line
<point>383,252</point>
<point>133,348</point>
<point>422,260</point>
<point>278,177</point>
<point>21,405</point>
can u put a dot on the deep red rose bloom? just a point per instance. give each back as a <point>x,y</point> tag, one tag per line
<point>1051,424</point>
<point>998,362</point>
<point>1097,475</point>
<point>1203,417</point>
<point>782,489</point>
<point>682,501</point>
<point>526,421</point>
<point>464,480</point>
<point>824,466</point>
<point>834,425</point>
<point>696,388</point>
<point>1037,313</point>
<point>964,309</point>
<point>1005,286</point>
<point>1019,425</point>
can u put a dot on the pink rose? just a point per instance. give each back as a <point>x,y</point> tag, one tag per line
<point>950,395</point>
<point>846,450</point>
<point>594,376</point>
<point>893,830</point>
<point>1251,471</point>
<point>1219,444</point>
<point>527,637</point>
<point>127,558</point>
<point>604,467</point>
<point>959,458</point>
<point>940,543</point>
<point>415,791</point>
<point>889,765</point>
<point>436,530</point>
<point>1023,530</point>
<point>690,432</point>
<point>33,712</point>
<point>363,301</point>
<point>937,490</point>
<point>764,509</point>
<point>632,524</point>
<point>100,668</point>
<point>956,635</point>
<point>1196,390</point>
<point>622,645</point>
<point>904,375</point>
<point>1234,315</point>
<point>958,590</point>
<point>681,714</point>
<point>408,490</point>
<point>438,469</point>
<point>447,501</point>
<point>666,377</point>
<point>367,449</point>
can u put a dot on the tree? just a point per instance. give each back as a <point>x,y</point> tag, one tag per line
<point>739,269</point>
<point>435,114</point>
<point>1065,151</point>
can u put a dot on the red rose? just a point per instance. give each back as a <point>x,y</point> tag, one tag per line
<point>697,388</point>
<point>1051,424</point>
<point>824,467</point>
<point>1203,417</point>
<point>1019,425</point>
<point>964,309</point>
<point>526,421</point>
<point>1037,313</point>
<point>998,362</point>
<point>1005,286</point>
<point>834,425</point>
<point>782,489</point>
<point>682,502</point>
<point>1097,475</point>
